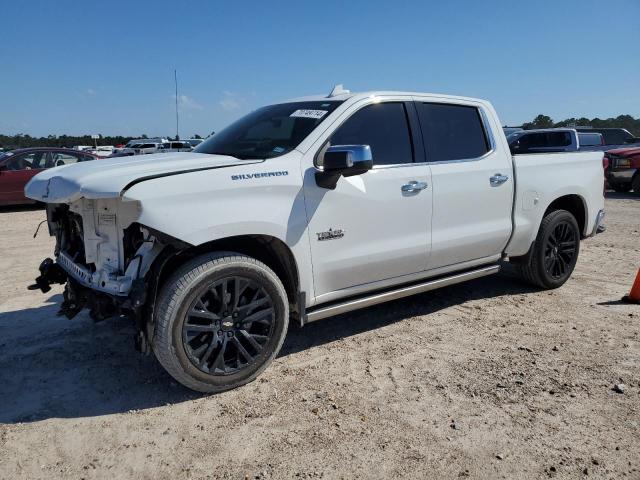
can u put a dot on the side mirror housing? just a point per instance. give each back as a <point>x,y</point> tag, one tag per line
<point>345,161</point>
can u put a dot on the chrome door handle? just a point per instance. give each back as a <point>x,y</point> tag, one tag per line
<point>498,179</point>
<point>413,186</point>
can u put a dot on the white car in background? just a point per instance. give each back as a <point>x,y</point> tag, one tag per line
<point>143,148</point>
<point>176,146</point>
<point>131,144</point>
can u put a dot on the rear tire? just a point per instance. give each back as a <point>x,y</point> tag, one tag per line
<point>622,188</point>
<point>221,320</point>
<point>554,252</point>
<point>636,184</point>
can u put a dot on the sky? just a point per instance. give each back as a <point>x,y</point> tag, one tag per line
<point>83,67</point>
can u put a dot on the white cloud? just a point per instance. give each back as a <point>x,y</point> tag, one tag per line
<point>230,101</point>
<point>187,103</point>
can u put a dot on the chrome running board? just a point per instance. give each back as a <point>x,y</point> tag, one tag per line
<point>405,291</point>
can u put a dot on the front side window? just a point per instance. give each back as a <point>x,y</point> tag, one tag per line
<point>269,131</point>
<point>382,126</point>
<point>27,161</point>
<point>452,132</point>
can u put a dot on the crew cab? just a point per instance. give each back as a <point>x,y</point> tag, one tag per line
<point>303,210</point>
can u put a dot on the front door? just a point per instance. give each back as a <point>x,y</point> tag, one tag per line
<point>16,172</point>
<point>368,229</point>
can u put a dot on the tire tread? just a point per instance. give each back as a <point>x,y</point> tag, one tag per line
<point>528,267</point>
<point>169,301</point>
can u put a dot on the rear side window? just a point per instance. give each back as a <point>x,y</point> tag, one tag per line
<point>452,132</point>
<point>382,126</point>
<point>58,159</point>
<point>614,137</point>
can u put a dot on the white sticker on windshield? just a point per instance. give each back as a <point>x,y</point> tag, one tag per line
<point>309,114</point>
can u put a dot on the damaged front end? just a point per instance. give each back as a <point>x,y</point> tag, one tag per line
<point>109,262</point>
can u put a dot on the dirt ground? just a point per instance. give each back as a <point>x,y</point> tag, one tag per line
<point>489,379</point>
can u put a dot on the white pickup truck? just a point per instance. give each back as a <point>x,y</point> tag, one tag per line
<point>307,209</point>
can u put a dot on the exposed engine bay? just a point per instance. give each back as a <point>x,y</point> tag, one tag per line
<point>102,255</point>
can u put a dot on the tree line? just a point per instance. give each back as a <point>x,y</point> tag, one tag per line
<point>621,121</point>
<point>21,140</point>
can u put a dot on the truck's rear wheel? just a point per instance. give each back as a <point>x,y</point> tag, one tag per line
<point>554,253</point>
<point>221,320</point>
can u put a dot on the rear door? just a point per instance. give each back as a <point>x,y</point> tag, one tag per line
<point>472,182</point>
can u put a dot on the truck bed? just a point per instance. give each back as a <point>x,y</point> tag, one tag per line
<point>543,177</point>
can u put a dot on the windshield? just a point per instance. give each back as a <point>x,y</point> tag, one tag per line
<point>269,131</point>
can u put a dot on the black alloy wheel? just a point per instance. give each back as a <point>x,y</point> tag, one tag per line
<point>560,250</point>
<point>554,253</point>
<point>227,325</point>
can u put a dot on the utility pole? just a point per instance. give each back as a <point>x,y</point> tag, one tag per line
<point>175,78</point>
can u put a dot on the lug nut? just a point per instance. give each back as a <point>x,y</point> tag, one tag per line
<point>229,334</point>
<point>220,333</point>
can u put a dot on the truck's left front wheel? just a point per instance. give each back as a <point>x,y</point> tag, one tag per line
<point>221,320</point>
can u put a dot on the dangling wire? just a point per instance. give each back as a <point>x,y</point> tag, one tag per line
<point>37,229</point>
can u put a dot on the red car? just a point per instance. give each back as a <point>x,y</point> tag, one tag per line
<point>19,166</point>
<point>623,173</point>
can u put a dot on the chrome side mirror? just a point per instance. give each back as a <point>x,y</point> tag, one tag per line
<point>345,161</point>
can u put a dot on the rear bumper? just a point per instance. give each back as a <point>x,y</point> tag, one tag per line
<point>623,175</point>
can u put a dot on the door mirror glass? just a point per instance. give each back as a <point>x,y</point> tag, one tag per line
<point>343,160</point>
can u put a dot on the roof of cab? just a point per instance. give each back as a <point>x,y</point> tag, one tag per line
<point>375,93</point>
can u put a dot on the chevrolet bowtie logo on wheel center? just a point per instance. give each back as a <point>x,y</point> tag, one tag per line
<point>227,324</point>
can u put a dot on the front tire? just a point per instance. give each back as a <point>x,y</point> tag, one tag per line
<point>221,320</point>
<point>554,253</point>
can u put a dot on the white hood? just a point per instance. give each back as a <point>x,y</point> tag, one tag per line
<point>107,178</point>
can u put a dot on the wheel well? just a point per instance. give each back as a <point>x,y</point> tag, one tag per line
<point>271,251</point>
<point>572,204</point>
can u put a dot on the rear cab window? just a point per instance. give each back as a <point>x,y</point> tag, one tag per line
<point>540,142</point>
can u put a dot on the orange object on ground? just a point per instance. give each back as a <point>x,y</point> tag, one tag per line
<point>634,294</point>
